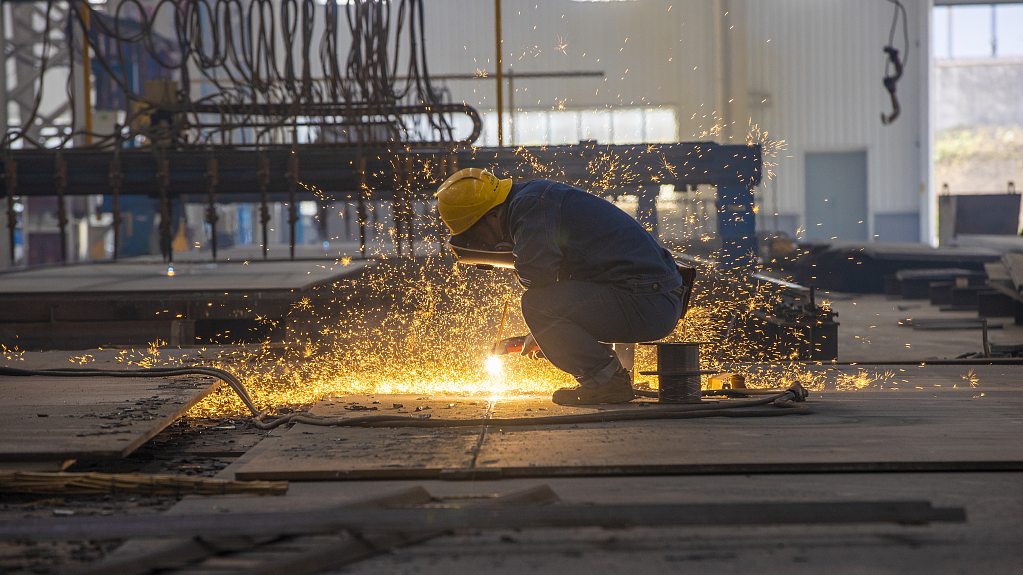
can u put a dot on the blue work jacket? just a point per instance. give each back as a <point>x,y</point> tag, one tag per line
<point>562,232</point>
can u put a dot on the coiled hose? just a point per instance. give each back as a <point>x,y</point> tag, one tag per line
<point>786,398</point>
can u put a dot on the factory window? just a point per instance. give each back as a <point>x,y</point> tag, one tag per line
<point>569,127</point>
<point>978,31</point>
<point>977,60</point>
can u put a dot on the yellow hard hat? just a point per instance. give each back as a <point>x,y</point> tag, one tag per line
<point>468,194</point>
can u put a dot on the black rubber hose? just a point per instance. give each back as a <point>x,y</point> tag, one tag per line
<point>784,398</point>
<point>742,392</point>
<point>228,377</point>
<point>602,417</point>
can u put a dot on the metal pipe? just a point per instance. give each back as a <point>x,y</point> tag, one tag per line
<point>211,206</point>
<point>918,363</point>
<point>263,174</point>
<point>166,232</point>
<point>475,518</point>
<point>361,209</point>
<point>86,74</point>
<point>500,75</point>
<point>293,218</point>
<point>3,74</point>
<point>511,105</point>
<point>11,175</point>
<point>116,179</point>
<point>60,179</point>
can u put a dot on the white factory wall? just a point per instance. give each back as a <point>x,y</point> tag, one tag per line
<point>818,64</point>
<point>653,52</point>
<point>821,65</point>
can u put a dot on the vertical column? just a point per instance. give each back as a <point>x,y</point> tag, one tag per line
<point>10,218</point>
<point>116,179</point>
<point>3,74</point>
<point>737,170</point>
<point>737,225</point>
<point>263,177</point>
<point>292,176</point>
<point>360,167</point>
<point>500,74</point>
<point>78,77</point>
<point>211,204</point>
<point>60,182</point>
<point>166,213</point>
<point>924,66</point>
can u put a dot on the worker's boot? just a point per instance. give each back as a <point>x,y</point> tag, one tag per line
<point>617,390</point>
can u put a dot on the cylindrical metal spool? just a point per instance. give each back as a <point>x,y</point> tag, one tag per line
<point>678,372</point>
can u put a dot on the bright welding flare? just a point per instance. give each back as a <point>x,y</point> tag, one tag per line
<point>495,367</point>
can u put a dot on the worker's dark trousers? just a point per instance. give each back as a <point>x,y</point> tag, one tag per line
<point>574,322</point>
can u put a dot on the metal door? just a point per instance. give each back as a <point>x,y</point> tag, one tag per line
<point>836,196</point>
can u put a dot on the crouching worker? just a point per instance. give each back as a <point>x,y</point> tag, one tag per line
<point>593,275</point>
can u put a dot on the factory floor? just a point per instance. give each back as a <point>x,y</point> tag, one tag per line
<point>870,329</point>
<point>963,426</point>
<point>957,425</point>
<point>991,541</point>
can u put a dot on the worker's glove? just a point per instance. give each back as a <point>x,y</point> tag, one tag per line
<point>530,349</point>
<point>522,282</point>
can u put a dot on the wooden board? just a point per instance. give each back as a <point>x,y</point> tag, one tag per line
<point>915,418</point>
<point>60,418</point>
<point>843,428</point>
<point>245,276</point>
<point>317,453</point>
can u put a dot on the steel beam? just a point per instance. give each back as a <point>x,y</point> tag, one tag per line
<point>242,174</point>
<point>405,520</point>
<point>335,171</point>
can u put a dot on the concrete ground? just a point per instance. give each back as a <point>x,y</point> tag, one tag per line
<point>869,329</point>
<point>925,423</point>
<point>990,541</point>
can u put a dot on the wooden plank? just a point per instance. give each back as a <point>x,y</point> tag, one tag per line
<point>447,518</point>
<point>315,453</point>
<point>60,418</point>
<point>311,554</point>
<point>255,275</point>
<point>184,552</point>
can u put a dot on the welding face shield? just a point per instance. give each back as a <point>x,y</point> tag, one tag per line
<point>482,256</point>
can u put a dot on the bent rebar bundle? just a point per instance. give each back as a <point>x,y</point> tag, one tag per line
<point>254,73</point>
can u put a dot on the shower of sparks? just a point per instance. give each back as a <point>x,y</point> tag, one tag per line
<point>770,147</point>
<point>562,46</point>
<point>860,380</point>
<point>711,132</point>
<point>971,378</point>
<point>425,326</point>
<point>11,354</point>
<point>82,359</point>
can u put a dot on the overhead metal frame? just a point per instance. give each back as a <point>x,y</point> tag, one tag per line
<point>401,175</point>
